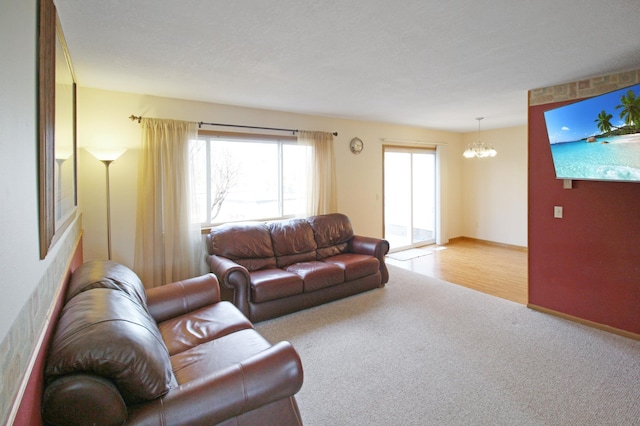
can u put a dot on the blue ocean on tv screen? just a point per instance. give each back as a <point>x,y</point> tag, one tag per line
<point>597,138</point>
<point>614,158</point>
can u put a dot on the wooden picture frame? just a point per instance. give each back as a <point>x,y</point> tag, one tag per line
<point>57,159</point>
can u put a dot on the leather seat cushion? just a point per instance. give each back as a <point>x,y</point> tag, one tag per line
<point>217,355</point>
<point>271,284</point>
<point>211,322</point>
<point>317,275</point>
<point>355,265</point>
<point>103,332</point>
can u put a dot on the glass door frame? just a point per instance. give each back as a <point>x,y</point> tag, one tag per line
<point>436,150</point>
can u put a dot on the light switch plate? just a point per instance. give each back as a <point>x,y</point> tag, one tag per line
<point>557,212</point>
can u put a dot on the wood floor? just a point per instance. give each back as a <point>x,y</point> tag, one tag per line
<point>491,268</point>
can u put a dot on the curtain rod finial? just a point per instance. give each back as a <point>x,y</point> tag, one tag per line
<point>133,118</point>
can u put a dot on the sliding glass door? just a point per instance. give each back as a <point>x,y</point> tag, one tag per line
<point>409,197</point>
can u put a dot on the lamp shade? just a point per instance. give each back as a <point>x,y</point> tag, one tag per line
<point>106,154</point>
<point>63,154</point>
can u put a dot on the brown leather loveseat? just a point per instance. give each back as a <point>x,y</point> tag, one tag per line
<point>171,355</point>
<point>273,268</point>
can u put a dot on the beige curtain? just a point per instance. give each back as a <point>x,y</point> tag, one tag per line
<point>167,244</point>
<point>321,179</point>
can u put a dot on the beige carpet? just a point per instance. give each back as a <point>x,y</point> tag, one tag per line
<point>425,352</point>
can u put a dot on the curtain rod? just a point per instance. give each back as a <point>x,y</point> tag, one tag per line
<point>413,141</point>
<point>202,123</point>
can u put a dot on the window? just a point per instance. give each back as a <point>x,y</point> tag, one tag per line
<point>247,178</point>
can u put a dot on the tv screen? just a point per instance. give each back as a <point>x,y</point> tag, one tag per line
<point>597,138</point>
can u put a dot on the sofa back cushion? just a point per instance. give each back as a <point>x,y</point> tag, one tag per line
<point>107,274</point>
<point>293,241</point>
<point>332,233</point>
<point>104,332</point>
<point>247,244</point>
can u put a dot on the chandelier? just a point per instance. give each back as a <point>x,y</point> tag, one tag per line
<point>479,149</point>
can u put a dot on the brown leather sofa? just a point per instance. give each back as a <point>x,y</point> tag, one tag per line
<point>268,269</point>
<point>171,355</point>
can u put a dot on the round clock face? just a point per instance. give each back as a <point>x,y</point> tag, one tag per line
<point>356,145</point>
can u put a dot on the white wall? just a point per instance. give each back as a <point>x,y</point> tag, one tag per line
<point>494,190</point>
<point>28,284</point>
<point>102,118</point>
<point>19,245</point>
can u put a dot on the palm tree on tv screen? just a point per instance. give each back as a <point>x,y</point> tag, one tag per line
<point>630,109</point>
<point>604,121</point>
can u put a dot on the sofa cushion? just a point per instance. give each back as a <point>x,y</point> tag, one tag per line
<point>104,332</point>
<point>292,241</point>
<point>106,274</point>
<point>248,244</point>
<point>218,354</point>
<point>270,284</point>
<point>355,265</point>
<point>211,322</point>
<point>332,233</point>
<point>317,275</point>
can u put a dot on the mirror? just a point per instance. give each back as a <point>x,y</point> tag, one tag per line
<point>65,193</point>
<point>57,130</point>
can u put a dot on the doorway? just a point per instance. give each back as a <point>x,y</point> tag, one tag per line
<point>409,197</point>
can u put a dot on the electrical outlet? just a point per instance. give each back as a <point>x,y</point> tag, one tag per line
<point>557,212</point>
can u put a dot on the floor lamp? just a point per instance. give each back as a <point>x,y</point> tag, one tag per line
<point>107,156</point>
<point>58,206</point>
<point>62,155</point>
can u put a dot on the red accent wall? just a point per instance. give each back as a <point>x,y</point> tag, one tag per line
<point>586,264</point>
<point>29,410</point>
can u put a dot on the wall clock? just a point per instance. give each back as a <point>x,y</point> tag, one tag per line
<point>356,145</point>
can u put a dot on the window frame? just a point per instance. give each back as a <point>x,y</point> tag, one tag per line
<point>208,135</point>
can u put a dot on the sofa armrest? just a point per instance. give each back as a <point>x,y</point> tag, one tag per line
<point>234,277</point>
<point>82,398</point>
<point>374,247</point>
<point>171,300</point>
<point>268,376</point>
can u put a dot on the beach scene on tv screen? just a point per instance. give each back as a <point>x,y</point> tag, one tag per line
<point>597,138</point>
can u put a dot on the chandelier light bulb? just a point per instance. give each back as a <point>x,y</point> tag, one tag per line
<point>479,149</point>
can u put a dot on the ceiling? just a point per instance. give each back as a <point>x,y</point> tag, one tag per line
<point>426,63</point>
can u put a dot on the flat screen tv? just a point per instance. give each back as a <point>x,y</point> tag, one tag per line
<point>597,138</point>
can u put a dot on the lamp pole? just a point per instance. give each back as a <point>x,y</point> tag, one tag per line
<point>107,163</point>
<point>58,205</point>
<point>107,156</point>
